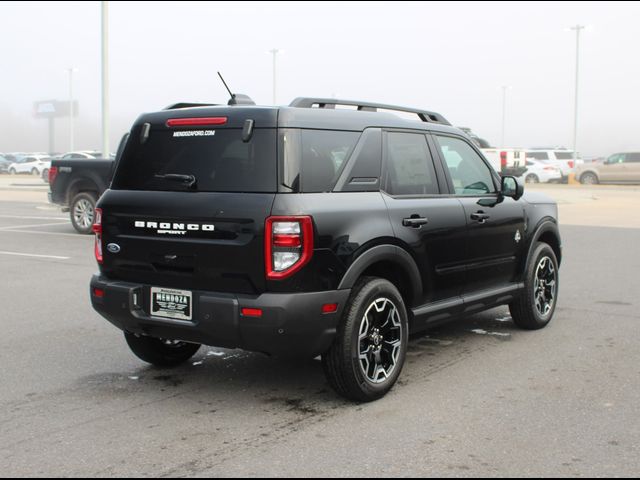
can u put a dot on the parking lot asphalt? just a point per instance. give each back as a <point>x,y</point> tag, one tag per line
<point>476,398</point>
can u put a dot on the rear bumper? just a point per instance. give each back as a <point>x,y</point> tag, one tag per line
<point>291,325</point>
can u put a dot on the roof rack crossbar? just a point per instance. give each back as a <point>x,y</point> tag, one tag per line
<point>331,103</point>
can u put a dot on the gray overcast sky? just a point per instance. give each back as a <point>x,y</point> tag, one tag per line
<point>448,57</point>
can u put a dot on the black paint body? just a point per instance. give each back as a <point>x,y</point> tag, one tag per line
<point>448,267</point>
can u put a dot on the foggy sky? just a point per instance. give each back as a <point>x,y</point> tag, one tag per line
<point>452,58</point>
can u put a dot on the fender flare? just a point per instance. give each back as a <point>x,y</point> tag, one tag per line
<point>543,227</point>
<point>391,253</point>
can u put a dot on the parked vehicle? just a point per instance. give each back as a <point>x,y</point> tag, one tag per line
<point>32,164</point>
<point>505,161</point>
<point>84,155</point>
<point>302,231</point>
<point>618,168</point>
<point>541,172</point>
<point>4,164</point>
<point>561,158</point>
<point>76,185</point>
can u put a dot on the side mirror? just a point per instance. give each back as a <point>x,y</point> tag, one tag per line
<point>511,187</point>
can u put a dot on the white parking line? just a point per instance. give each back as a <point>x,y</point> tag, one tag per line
<point>40,232</point>
<point>12,227</point>
<point>16,254</point>
<point>28,217</point>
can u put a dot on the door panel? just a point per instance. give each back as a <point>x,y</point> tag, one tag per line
<point>495,241</point>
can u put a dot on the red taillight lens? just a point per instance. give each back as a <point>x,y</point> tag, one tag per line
<point>288,245</point>
<point>196,122</point>
<point>571,164</point>
<point>53,173</point>
<point>503,159</point>
<point>98,292</point>
<point>97,229</point>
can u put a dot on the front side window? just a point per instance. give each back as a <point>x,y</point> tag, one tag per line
<point>633,157</point>
<point>469,173</point>
<point>410,169</point>
<point>617,158</point>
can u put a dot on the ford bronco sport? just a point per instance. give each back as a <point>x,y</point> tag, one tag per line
<point>313,230</point>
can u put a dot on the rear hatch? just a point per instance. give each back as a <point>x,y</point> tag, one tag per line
<point>189,200</point>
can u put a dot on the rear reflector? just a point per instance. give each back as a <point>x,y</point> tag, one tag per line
<point>196,122</point>
<point>329,308</point>
<point>98,292</point>
<point>251,312</point>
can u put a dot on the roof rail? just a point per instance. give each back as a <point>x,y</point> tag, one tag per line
<point>330,103</point>
<point>189,105</point>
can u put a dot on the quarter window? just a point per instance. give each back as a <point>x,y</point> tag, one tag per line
<point>469,173</point>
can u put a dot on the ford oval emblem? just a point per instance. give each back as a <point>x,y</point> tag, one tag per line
<point>113,248</point>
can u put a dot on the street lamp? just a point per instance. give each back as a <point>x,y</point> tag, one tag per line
<point>504,111</point>
<point>105,78</point>
<point>274,52</point>
<point>578,29</point>
<point>71,71</point>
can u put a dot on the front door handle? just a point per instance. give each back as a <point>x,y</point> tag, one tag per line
<point>480,217</point>
<point>414,221</point>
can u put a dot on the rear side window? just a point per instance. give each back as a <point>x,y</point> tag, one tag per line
<point>220,161</point>
<point>410,169</point>
<point>538,155</point>
<point>313,159</point>
<point>632,158</point>
<point>564,155</point>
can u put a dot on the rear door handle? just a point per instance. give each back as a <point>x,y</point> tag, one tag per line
<point>480,217</point>
<point>414,221</point>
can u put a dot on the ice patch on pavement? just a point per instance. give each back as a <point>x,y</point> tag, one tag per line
<point>215,354</point>
<point>504,319</point>
<point>480,331</point>
<point>134,378</point>
<point>195,364</point>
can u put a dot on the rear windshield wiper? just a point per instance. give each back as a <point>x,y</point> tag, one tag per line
<point>188,180</point>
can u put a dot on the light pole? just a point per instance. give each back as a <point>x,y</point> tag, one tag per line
<point>71,71</point>
<point>274,52</point>
<point>504,112</point>
<point>578,29</point>
<point>105,79</point>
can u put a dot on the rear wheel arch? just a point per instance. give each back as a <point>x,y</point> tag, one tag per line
<point>391,263</point>
<point>83,185</point>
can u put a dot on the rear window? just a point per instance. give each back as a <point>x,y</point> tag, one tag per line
<point>538,155</point>
<point>219,160</point>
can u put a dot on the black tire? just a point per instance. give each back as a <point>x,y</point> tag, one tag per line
<point>83,212</point>
<point>532,311</point>
<point>532,178</point>
<point>589,178</point>
<point>161,353</point>
<point>12,171</point>
<point>342,364</point>
<point>34,172</point>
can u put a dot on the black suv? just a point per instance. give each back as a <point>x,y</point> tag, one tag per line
<point>313,230</point>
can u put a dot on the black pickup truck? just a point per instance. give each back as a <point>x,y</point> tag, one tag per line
<point>76,185</point>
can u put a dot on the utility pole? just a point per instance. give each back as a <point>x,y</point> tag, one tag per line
<point>578,29</point>
<point>105,79</point>
<point>71,70</point>
<point>504,112</point>
<point>274,52</point>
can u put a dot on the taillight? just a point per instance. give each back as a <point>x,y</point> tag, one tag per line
<point>571,164</point>
<point>288,245</point>
<point>503,159</point>
<point>97,229</point>
<point>53,173</point>
<point>196,122</point>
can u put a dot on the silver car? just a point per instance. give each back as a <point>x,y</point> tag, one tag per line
<point>618,168</point>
